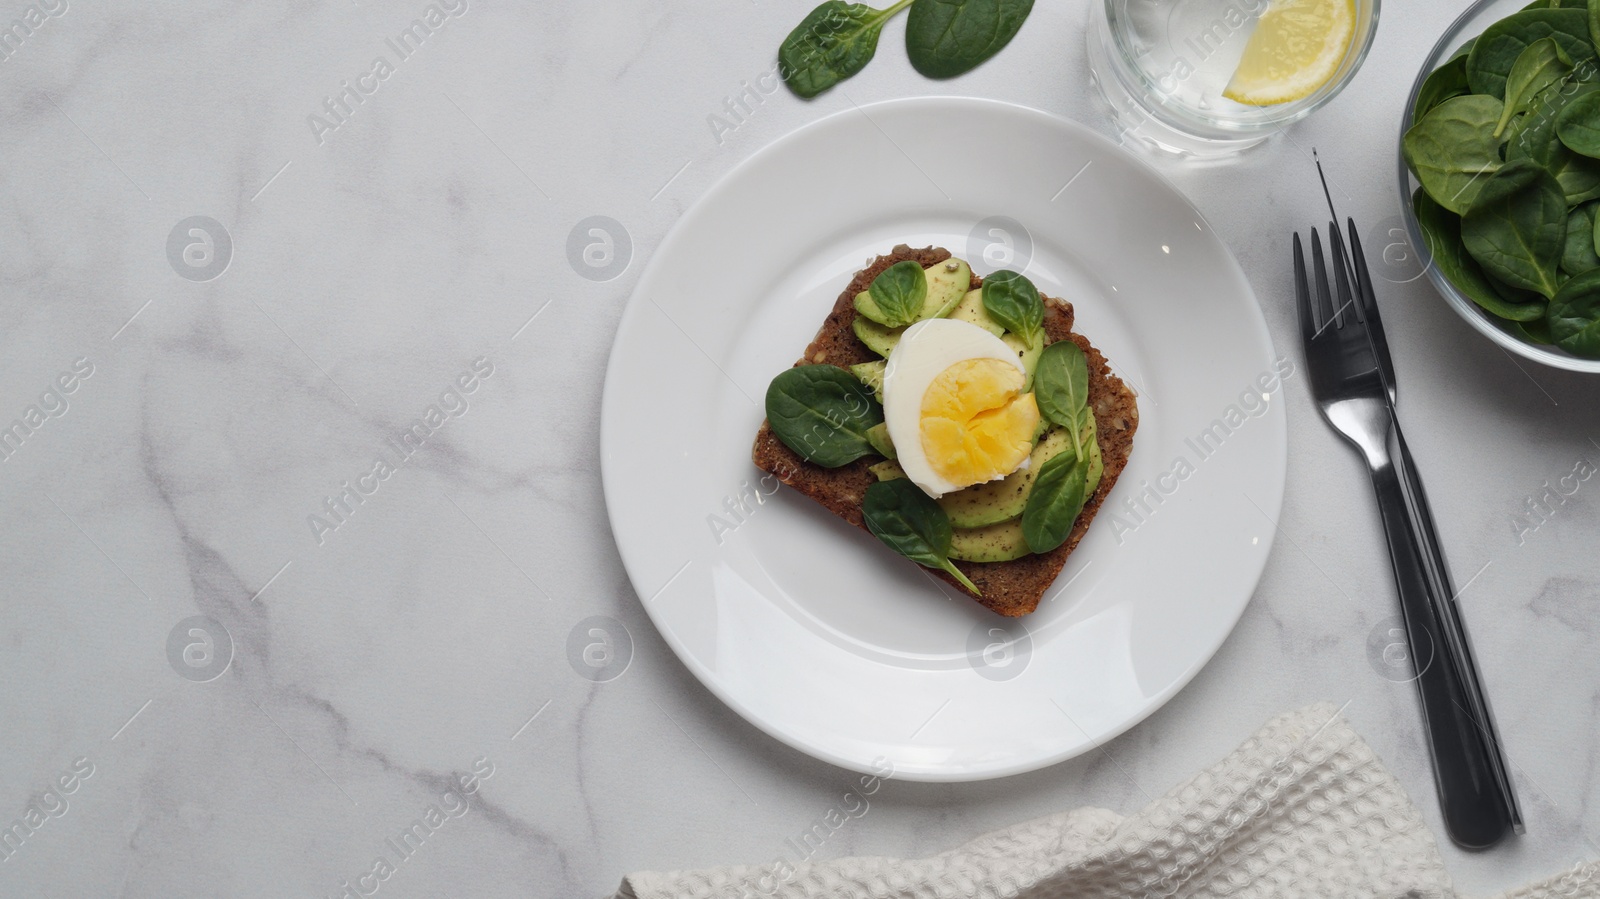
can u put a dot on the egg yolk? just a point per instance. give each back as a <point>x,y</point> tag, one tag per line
<point>977,424</point>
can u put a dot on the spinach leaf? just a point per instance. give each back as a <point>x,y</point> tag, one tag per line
<point>1597,231</point>
<point>1578,253</point>
<point>1058,495</point>
<point>945,38</point>
<point>1578,124</point>
<point>1542,64</point>
<point>1594,22</point>
<point>1014,302</point>
<point>1536,331</point>
<point>823,413</point>
<point>1441,232</point>
<point>1516,226</point>
<point>1061,388</point>
<point>1524,138</point>
<point>899,291</point>
<point>1516,295</point>
<point>909,522</point>
<point>1578,176</point>
<point>1574,316</point>
<point>1497,49</point>
<point>833,42</point>
<point>1448,80</point>
<point>1453,148</point>
<point>1534,137</point>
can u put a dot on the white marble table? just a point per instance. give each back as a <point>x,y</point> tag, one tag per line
<point>373,260</point>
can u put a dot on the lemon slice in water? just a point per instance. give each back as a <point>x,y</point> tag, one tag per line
<point>1296,47</point>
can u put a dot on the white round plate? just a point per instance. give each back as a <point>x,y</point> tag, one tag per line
<point>810,628</point>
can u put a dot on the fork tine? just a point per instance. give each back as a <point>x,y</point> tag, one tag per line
<point>1341,278</point>
<point>1322,303</point>
<point>1366,298</point>
<point>1302,293</point>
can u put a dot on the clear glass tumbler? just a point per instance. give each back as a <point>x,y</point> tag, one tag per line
<point>1162,66</point>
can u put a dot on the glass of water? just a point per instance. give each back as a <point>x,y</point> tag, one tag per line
<point>1165,66</point>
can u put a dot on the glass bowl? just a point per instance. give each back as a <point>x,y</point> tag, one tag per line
<point>1471,23</point>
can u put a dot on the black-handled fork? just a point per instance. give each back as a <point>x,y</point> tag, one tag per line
<point>1444,591</point>
<point>1352,394</point>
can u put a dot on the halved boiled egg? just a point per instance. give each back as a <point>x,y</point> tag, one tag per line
<point>954,404</point>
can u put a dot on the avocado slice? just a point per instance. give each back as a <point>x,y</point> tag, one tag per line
<point>871,374</point>
<point>970,309</point>
<point>878,436</point>
<point>1028,353</point>
<point>947,285</point>
<point>995,501</point>
<point>887,471</point>
<point>984,504</point>
<point>878,339</point>
<point>1003,541</point>
<point>882,340</point>
<point>1097,464</point>
<point>1000,542</point>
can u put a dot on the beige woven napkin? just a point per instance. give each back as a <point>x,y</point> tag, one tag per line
<point>1302,809</point>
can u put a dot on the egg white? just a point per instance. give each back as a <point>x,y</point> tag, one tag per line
<point>926,349</point>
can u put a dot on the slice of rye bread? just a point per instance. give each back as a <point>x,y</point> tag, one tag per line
<point>1010,588</point>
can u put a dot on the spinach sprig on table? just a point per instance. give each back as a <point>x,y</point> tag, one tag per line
<point>944,38</point>
<point>1505,141</point>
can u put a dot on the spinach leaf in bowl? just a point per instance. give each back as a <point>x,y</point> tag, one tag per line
<point>1497,49</point>
<point>1597,231</point>
<point>1542,64</point>
<point>1578,253</point>
<point>1533,136</point>
<point>1536,331</point>
<point>1578,125</point>
<point>1448,80</point>
<point>1517,296</point>
<point>1454,147</point>
<point>1441,231</point>
<point>1574,316</point>
<point>1516,226</point>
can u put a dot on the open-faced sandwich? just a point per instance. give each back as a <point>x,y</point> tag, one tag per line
<point>958,419</point>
